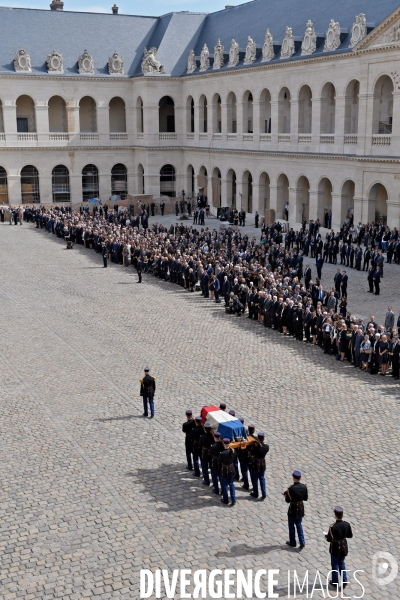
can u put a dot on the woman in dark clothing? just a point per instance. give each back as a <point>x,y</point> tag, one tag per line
<point>343,306</point>
<point>284,318</point>
<point>343,343</point>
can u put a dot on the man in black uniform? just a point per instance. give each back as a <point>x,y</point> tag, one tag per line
<point>337,534</point>
<point>245,460</point>
<point>227,472</point>
<point>139,268</point>
<point>258,453</point>
<point>147,391</point>
<point>187,428</point>
<point>295,496</point>
<point>216,450</point>
<point>206,441</point>
<point>195,434</point>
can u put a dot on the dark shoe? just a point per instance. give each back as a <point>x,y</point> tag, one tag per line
<point>289,544</point>
<point>216,492</point>
<point>195,475</point>
<point>263,497</point>
<point>245,487</point>
<point>151,416</point>
<point>302,546</point>
<point>344,584</point>
<point>204,483</point>
<point>254,495</point>
<point>233,502</point>
<point>223,501</point>
<point>189,468</point>
<point>144,415</point>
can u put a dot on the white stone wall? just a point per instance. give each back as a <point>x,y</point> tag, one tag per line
<point>318,166</point>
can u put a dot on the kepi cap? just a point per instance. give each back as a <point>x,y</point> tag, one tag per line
<point>338,510</point>
<point>261,434</point>
<point>146,369</point>
<point>207,425</point>
<point>232,412</point>
<point>222,405</point>
<point>217,434</point>
<point>198,419</point>
<point>189,412</point>
<point>296,474</point>
<point>226,441</point>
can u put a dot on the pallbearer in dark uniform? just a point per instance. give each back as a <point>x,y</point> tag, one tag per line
<point>227,472</point>
<point>147,391</point>
<point>216,450</point>
<point>195,434</point>
<point>206,441</point>
<point>245,460</point>
<point>222,406</point>
<point>337,534</point>
<point>187,428</point>
<point>258,453</point>
<point>295,496</point>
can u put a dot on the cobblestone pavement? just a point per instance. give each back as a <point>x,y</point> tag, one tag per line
<point>91,492</point>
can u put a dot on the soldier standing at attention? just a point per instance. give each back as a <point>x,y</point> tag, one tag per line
<point>104,253</point>
<point>337,534</point>
<point>147,391</point>
<point>227,472</point>
<point>258,453</point>
<point>216,450</point>
<point>206,441</point>
<point>245,460</point>
<point>295,496</point>
<point>195,434</point>
<point>187,428</point>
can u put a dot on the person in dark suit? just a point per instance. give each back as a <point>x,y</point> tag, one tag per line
<point>337,280</point>
<point>104,253</point>
<point>139,269</point>
<point>147,391</point>
<point>371,272</point>
<point>319,263</point>
<point>367,256</point>
<point>344,283</point>
<point>377,281</point>
<point>258,454</point>
<point>162,207</point>
<point>336,536</point>
<point>307,276</point>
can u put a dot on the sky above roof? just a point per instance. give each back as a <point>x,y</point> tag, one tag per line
<point>128,7</point>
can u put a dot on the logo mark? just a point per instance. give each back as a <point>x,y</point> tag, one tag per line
<point>384,568</point>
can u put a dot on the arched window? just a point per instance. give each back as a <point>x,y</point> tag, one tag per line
<point>167,181</point>
<point>231,106</point>
<point>140,175</point>
<point>265,112</point>
<point>305,110</point>
<point>30,191</point>
<point>378,198</point>
<point>119,180</point>
<point>324,201</point>
<point>3,186</point>
<point>57,115</point>
<point>87,115</point>
<point>247,192</point>
<point>351,107</point>
<point>26,119</point>
<point>328,108</point>
<point>302,201</point>
<point>347,200</point>
<point>1,118</point>
<point>166,115</point>
<point>248,112</point>
<point>90,182</point>
<point>117,116</point>
<point>60,184</point>
<point>265,191</point>
<point>383,106</point>
<point>284,112</point>
<point>203,114</point>
<point>216,114</point>
<point>139,115</point>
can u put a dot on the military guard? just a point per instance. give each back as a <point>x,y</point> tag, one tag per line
<point>222,406</point>
<point>216,450</point>
<point>205,442</point>
<point>147,391</point>
<point>245,460</point>
<point>295,496</point>
<point>195,434</point>
<point>227,472</point>
<point>187,428</point>
<point>336,536</point>
<point>258,453</point>
<point>104,253</point>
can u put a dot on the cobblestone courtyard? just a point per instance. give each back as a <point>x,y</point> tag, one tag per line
<point>91,493</point>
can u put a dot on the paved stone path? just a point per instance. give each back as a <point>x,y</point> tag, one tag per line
<point>91,492</point>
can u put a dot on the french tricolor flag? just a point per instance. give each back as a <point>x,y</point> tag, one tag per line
<point>227,425</point>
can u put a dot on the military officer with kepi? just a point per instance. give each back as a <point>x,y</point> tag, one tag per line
<point>187,428</point>
<point>337,534</point>
<point>258,454</point>
<point>216,450</point>
<point>227,472</point>
<point>195,434</point>
<point>147,391</point>
<point>295,496</point>
<point>205,442</point>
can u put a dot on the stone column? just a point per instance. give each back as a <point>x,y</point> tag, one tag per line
<point>364,135</point>
<point>339,123</point>
<point>339,202</point>
<point>104,186</point>
<point>274,124</point>
<point>73,124</point>
<point>224,192</point>
<point>14,187</point>
<point>316,126</point>
<point>224,121</point>
<point>393,210</point>
<point>295,206</point>
<point>395,145</point>
<point>75,184</point>
<point>314,205</point>
<point>239,123</point>
<point>10,124</point>
<point>294,124</point>
<point>196,123</point>
<point>42,122</point>
<point>257,201</point>
<point>103,124</point>
<point>151,122</point>
<point>256,125</point>
<point>358,209</point>
<point>46,187</point>
<point>152,184</point>
<point>368,210</point>
<point>273,198</point>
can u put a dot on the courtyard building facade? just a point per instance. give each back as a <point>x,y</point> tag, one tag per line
<point>258,106</point>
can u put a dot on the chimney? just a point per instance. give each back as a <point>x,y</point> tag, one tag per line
<point>114,9</point>
<point>57,5</point>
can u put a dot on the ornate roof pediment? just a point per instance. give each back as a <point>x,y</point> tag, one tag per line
<point>386,34</point>
<point>115,64</point>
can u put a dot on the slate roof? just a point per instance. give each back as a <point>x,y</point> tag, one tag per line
<point>39,32</point>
